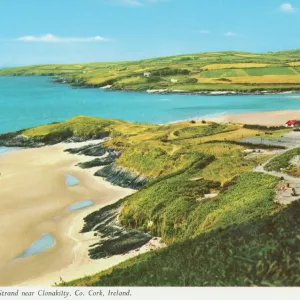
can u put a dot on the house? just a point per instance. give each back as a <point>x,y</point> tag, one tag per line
<point>293,123</point>
<point>147,74</point>
<point>173,80</point>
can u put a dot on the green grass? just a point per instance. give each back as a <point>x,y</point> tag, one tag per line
<point>81,126</point>
<point>229,165</point>
<point>271,71</point>
<point>186,162</point>
<point>176,210</point>
<point>224,73</point>
<point>199,131</point>
<point>262,251</point>
<point>156,150</point>
<point>188,69</point>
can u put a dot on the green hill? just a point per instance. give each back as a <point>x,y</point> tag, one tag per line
<point>209,71</point>
<point>260,252</point>
<point>217,217</point>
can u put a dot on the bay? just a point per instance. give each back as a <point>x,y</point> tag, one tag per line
<point>32,100</point>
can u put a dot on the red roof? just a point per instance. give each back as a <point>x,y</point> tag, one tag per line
<point>292,122</point>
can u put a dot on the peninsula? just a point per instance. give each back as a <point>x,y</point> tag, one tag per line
<point>219,199</point>
<point>208,73</point>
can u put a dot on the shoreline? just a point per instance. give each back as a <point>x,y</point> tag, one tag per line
<point>268,118</point>
<point>58,79</point>
<point>254,92</point>
<point>34,196</point>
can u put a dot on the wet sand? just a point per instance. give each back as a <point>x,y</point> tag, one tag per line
<point>33,201</point>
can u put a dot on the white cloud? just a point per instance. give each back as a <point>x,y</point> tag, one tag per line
<point>230,33</point>
<point>132,2</point>
<point>50,38</point>
<point>204,31</point>
<point>140,2</point>
<point>287,8</point>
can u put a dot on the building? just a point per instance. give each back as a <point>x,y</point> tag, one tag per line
<point>147,74</point>
<point>293,123</point>
<point>173,80</point>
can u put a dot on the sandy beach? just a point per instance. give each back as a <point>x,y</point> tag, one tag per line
<point>270,118</point>
<point>33,201</point>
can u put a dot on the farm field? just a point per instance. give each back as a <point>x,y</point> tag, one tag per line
<point>209,71</point>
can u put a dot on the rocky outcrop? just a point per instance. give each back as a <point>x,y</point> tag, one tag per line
<point>122,177</point>
<point>19,140</point>
<point>91,150</point>
<point>113,239</point>
<point>97,162</point>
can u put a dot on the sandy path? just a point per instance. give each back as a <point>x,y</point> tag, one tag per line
<point>263,118</point>
<point>33,201</point>
<point>284,197</point>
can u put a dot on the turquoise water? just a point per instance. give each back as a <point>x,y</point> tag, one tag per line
<point>45,242</point>
<point>71,180</point>
<point>31,101</point>
<point>81,205</point>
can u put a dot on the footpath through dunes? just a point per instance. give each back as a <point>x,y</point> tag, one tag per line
<point>289,186</point>
<point>199,174</point>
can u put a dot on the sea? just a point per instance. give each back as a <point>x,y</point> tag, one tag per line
<point>30,101</point>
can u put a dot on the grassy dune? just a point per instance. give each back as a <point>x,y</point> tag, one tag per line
<point>217,217</point>
<point>208,71</point>
<point>260,252</point>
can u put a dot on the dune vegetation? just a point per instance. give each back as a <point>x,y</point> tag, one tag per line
<point>262,251</point>
<point>218,218</point>
<point>208,71</point>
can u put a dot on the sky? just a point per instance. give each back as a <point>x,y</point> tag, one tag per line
<point>76,31</point>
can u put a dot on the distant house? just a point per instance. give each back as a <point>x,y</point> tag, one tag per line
<point>293,123</point>
<point>173,80</point>
<point>147,74</point>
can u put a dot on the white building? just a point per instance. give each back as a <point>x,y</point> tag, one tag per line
<point>147,74</point>
<point>173,80</point>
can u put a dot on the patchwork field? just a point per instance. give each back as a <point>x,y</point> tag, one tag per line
<point>210,71</point>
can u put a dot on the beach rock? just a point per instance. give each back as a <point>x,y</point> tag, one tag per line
<point>18,140</point>
<point>97,162</point>
<point>122,177</point>
<point>89,150</point>
<point>113,239</point>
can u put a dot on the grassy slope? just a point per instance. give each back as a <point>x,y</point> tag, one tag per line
<point>194,72</point>
<point>172,205</point>
<point>175,213</point>
<point>262,252</point>
<point>157,150</point>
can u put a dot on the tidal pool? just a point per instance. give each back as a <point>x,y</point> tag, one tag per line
<point>7,149</point>
<point>45,242</point>
<point>71,180</point>
<point>81,205</point>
